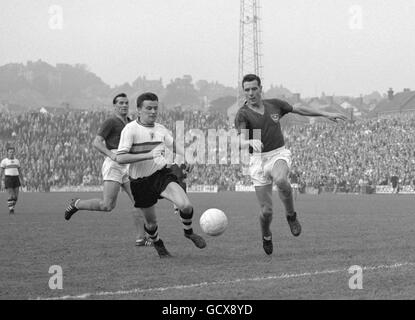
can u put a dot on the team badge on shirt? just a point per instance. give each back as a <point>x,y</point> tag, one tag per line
<point>275,117</point>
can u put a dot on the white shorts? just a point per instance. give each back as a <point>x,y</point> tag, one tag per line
<point>113,171</point>
<point>261,165</point>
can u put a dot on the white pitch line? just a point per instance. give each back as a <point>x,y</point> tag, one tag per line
<point>224,282</point>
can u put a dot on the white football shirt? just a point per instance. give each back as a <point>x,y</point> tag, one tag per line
<point>10,166</point>
<point>137,138</point>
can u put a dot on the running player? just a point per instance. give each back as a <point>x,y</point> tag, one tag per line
<point>114,174</point>
<point>143,144</point>
<point>270,161</point>
<point>12,177</point>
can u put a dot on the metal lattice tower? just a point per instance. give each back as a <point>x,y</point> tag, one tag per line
<point>249,41</point>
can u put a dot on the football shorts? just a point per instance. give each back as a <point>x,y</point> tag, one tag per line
<point>261,165</point>
<point>147,191</point>
<point>113,171</point>
<point>11,182</point>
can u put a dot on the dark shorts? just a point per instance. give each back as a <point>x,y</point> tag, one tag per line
<point>146,191</point>
<point>11,182</point>
<point>178,172</point>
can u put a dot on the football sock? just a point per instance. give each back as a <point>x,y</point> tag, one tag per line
<point>187,221</point>
<point>10,203</point>
<point>286,197</point>
<point>153,234</point>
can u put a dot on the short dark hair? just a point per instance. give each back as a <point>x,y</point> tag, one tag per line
<point>251,77</point>
<point>120,95</point>
<point>146,96</point>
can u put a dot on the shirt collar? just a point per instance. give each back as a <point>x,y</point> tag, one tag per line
<point>144,125</point>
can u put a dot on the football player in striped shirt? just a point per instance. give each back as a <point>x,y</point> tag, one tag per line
<point>10,166</point>
<point>142,145</point>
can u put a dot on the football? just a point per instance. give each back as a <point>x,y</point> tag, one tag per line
<point>213,222</point>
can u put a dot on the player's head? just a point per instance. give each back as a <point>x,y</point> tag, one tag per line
<point>251,85</point>
<point>10,152</point>
<point>120,103</point>
<point>147,107</point>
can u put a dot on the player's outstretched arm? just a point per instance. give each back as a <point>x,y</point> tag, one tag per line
<point>311,112</point>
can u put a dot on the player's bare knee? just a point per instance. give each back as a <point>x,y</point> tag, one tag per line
<point>185,206</point>
<point>151,226</point>
<point>266,211</point>
<point>266,215</point>
<point>282,184</point>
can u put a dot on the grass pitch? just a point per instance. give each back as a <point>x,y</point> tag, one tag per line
<point>99,260</point>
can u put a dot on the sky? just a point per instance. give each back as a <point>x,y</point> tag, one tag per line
<point>339,47</point>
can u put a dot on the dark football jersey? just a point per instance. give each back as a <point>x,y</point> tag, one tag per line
<point>111,131</point>
<point>268,123</point>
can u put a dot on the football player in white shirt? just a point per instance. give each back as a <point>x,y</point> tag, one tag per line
<point>10,166</point>
<point>142,145</point>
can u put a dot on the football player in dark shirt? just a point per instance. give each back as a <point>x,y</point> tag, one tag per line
<point>115,175</point>
<point>270,161</point>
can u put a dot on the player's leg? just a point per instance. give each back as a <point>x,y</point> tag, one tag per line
<point>15,193</point>
<point>178,172</point>
<point>10,200</point>
<point>138,218</point>
<point>151,227</point>
<point>279,174</point>
<point>184,187</point>
<point>264,196</point>
<point>175,193</point>
<point>107,204</point>
<point>293,190</point>
<point>110,194</point>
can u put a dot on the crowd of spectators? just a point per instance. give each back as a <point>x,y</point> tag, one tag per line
<point>55,150</point>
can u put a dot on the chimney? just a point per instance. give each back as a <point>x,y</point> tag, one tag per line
<point>406,90</point>
<point>390,94</point>
<point>297,97</point>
